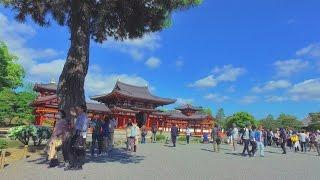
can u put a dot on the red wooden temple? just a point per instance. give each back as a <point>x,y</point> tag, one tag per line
<point>127,102</point>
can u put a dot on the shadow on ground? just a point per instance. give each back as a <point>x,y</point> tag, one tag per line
<point>117,155</point>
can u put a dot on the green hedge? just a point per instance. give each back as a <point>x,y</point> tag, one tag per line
<point>3,144</point>
<point>182,138</point>
<point>160,137</point>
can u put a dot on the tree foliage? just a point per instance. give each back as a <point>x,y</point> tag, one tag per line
<point>25,133</point>
<point>241,119</point>
<point>269,122</point>
<point>221,117</point>
<point>15,106</point>
<point>315,121</point>
<point>119,19</point>
<point>289,121</point>
<point>207,111</point>
<point>11,73</point>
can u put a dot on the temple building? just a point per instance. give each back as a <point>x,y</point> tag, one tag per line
<point>127,102</point>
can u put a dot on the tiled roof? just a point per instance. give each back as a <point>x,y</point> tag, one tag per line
<point>49,87</point>
<point>132,91</point>
<point>98,107</point>
<point>180,115</point>
<point>189,106</point>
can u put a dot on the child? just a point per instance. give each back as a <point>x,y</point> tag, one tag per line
<point>295,142</point>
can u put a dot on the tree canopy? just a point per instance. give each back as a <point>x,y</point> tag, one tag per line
<point>241,119</point>
<point>289,121</point>
<point>269,122</point>
<point>221,117</point>
<point>119,19</point>
<point>97,20</point>
<point>11,73</point>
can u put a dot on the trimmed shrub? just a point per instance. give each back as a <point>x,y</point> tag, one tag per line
<point>182,138</point>
<point>3,144</point>
<point>160,137</point>
<point>42,133</point>
<point>25,133</point>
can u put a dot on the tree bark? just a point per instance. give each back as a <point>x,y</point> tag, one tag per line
<point>71,82</point>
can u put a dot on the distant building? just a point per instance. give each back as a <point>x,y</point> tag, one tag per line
<point>127,102</point>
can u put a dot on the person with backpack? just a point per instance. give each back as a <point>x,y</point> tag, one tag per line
<point>135,132</point>
<point>97,134</point>
<point>246,140</point>
<point>215,134</point>
<point>144,133</point>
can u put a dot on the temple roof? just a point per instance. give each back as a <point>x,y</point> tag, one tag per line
<point>131,91</point>
<point>52,87</point>
<point>180,115</point>
<point>98,107</point>
<point>189,107</point>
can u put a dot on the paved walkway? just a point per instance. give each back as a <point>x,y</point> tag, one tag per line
<point>158,161</point>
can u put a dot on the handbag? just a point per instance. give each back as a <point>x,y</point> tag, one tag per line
<point>79,143</point>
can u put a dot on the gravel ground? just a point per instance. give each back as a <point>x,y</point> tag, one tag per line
<point>159,161</point>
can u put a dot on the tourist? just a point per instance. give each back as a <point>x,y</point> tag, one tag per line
<point>260,140</point>
<point>303,141</point>
<point>312,144</point>
<point>57,138</point>
<point>276,138</point>
<point>234,136</point>
<point>174,134</point>
<point>246,140</point>
<point>106,135</point>
<point>282,140</point>
<point>318,142</point>
<point>188,134</point>
<point>265,137</point>
<point>135,132</point>
<point>97,135</point>
<point>253,140</point>
<point>154,130</point>
<point>130,138</point>
<point>113,123</point>
<point>216,140</point>
<point>67,149</point>
<point>144,133</point>
<point>295,141</point>
<point>79,139</point>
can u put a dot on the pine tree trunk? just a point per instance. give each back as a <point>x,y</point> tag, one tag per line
<point>71,81</point>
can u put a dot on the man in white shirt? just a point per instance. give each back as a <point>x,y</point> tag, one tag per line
<point>303,138</point>
<point>113,123</point>
<point>234,136</point>
<point>188,134</point>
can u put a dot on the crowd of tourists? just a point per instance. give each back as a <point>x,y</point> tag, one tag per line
<point>69,136</point>
<point>259,138</point>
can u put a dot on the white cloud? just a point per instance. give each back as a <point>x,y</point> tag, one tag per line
<point>313,50</point>
<point>46,71</point>
<point>136,48</point>
<point>183,101</point>
<point>231,89</point>
<point>208,81</point>
<point>153,62</point>
<point>287,68</point>
<point>272,99</point>
<point>97,83</point>
<point>248,99</point>
<point>16,36</point>
<point>227,73</point>
<point>306,90</point>
<point>272,85</point>
<point>179,63</point>
<point>216,98</point>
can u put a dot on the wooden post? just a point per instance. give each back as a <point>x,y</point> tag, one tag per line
<point>2,158</point>
<point>25,151</point>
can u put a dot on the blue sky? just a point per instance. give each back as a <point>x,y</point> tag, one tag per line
<point>260,57</point>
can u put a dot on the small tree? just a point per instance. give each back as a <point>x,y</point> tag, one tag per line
<point>269,122</point>
<point>289,121</point>
<point>221,117</point>
<point>41,134</point>
<point>22,133</point>
<point>241,119</point>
